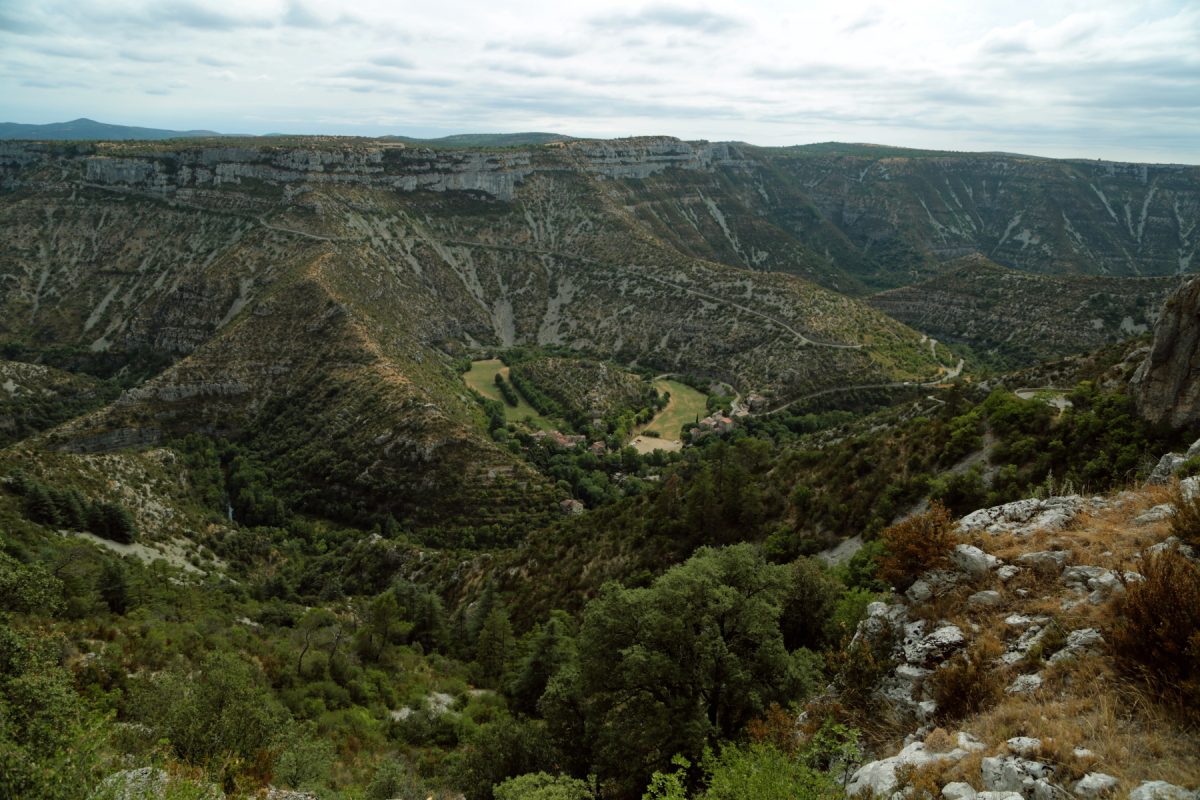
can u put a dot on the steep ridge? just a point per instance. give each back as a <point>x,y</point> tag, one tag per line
<point>904,210</point>
<point>847,215</point>
<point>1167,383</point>
<point>1017,318</point>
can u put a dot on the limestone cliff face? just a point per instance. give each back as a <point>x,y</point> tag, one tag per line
<point>495,173</point>
<point>1038,215</point>
<point>1167,384</point>
<point>402,169</point>
<point>837,215</point>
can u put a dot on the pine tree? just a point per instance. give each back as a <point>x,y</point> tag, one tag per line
<point>494,649</point>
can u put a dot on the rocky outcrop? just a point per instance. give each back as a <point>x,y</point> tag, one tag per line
<point>952,618</point>
<point>879,778</point>
<point>1023,517</point>
<point>1166,386</point>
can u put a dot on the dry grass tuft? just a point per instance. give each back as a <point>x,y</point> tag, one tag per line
<point>939,741</point>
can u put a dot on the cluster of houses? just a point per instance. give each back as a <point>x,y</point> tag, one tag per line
<point>559,439</point>
<point>716,424</point>
<point>565,441</point>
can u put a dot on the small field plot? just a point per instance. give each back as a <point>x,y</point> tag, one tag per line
<point>482,378</point>
<point>685,407</point>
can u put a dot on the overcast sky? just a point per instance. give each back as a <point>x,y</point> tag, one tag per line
<point>1087,78</point>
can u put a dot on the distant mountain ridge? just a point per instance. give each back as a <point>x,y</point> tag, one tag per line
<point>84,129</point>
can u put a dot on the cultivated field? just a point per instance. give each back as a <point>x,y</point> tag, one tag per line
<point>685,407</point>
<point>482,378</point>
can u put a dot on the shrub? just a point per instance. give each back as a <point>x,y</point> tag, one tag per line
<point>542,786</point>
<point>920,543</point>
<point>859,667</point>
<point>969,683</point>
<point>1156,636</point>
<point>222,712</point>
<point>1186,522</point>
<point>760,771</point>
<point>395,781</point>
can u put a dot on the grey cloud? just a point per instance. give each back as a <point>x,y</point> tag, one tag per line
<point>39,83</point>
<point>584,104</point>
<point>194,15</point>
<point>1138,95</point>
<point>1184,68</point>
<point>388,77</point>
<point>391,60</point>
<point>825,72</point>
<point>13,23</point>
<point>543,49</point>
<point>298,15</point>
<point>144,58</point>
<point>372,74</point>
<point>947,96</point>
<point>1005,45</point>
<point>517,69</point>
<point>668,16</point>
<point>862,23</point>
<point>63,51</point>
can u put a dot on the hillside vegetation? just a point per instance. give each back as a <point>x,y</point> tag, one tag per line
<point>319,478</point>
<point>1010,318</point>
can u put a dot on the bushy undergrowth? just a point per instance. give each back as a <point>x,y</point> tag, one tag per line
<point>968,683</point>
<point>1186,522</point>
<point>918,544</point>
<point>1156,634</point>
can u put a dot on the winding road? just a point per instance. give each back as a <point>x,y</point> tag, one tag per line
<point>951,374</point>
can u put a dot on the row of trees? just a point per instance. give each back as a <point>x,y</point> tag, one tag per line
<point>507,391</point>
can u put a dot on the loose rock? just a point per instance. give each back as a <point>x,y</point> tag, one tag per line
<point>1024,745</point>
<point>1048,560</point>
<point>1095,785</point>
<point>973,561</point>
<point>1013,774</point>
<point>989,598</point>
<point>1025,684</point>
<point>879,777</point>
<point>1161,790</point>
<point>958,791</point>
<point>1082,642</point>
<point>1158,513</point>
<point>1165,469</point>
